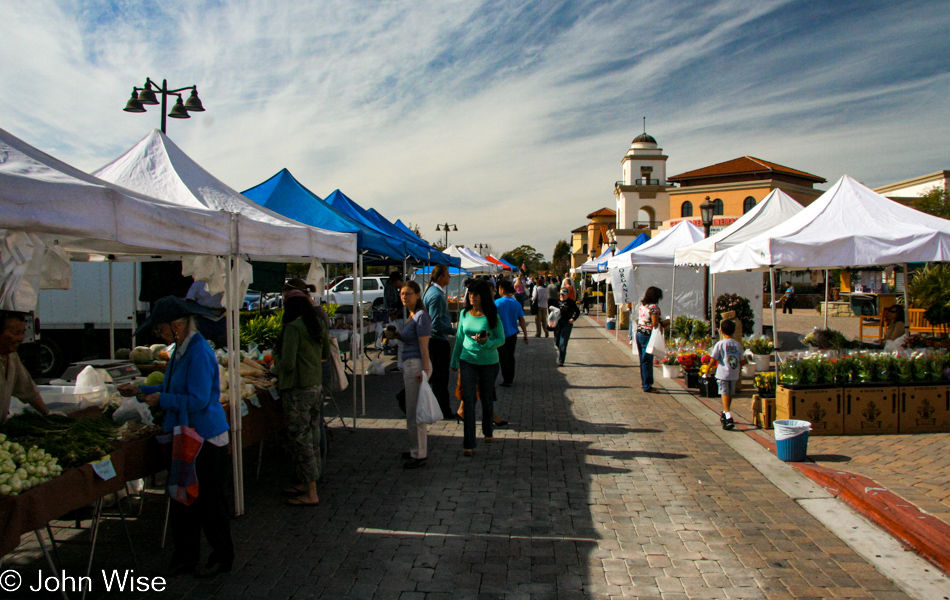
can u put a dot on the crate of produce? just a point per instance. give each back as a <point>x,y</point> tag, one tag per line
<point>924,409</point>
<point>870,410</point>
<point>823,407</point>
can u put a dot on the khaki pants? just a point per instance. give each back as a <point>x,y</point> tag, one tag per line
<point>541,322</point>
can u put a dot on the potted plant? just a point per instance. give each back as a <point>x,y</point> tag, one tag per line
<point>689,360</point>
<point>761,348</point>
<point>671,365</point>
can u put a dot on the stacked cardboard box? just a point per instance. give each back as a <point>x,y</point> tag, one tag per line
<point>822,407</point>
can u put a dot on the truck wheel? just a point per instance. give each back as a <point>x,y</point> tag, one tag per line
<point>378,304</point>
<point>50,363</point>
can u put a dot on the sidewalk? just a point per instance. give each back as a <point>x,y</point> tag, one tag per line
<point>594,490</point>
<point>885,472</point>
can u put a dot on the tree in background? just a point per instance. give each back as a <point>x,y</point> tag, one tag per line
<point>525,255</point>
<point>935,202</point>
<point>561,259</point>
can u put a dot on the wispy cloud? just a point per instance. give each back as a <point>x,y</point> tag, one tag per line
<point>508,118</point>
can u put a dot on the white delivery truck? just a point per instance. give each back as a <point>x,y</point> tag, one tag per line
<point>74,323</point>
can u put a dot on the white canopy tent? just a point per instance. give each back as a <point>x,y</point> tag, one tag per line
<point>591,266</point>
<point>492,267</point>
<point>776,208</point>
<point>158,167</point>
<point>474,264</point>
<point>92,218</point>
<point>849,225</point>
<point>653,264</point>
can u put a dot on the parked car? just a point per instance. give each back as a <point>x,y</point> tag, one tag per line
<point>342,292</point>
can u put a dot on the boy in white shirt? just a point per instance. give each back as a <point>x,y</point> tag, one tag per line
<point>728,355</point>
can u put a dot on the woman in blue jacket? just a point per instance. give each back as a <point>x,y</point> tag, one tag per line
<point>191,395</point>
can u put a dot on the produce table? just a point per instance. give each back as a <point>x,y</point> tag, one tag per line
<point>74,489</point>
<point>259,423</point>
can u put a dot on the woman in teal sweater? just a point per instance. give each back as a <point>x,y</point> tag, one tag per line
<point>480,334</point>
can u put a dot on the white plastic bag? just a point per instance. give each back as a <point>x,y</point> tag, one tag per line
<point>377,367</point>
<point>427,407</point>
<point>133,410</point>
<point>554,315</point>
<point>657,344</point>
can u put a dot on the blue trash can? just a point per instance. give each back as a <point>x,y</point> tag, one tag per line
<point>791,439</point>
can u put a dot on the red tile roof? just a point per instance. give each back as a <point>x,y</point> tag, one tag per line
<point>582,228</point>
<point>603,212</point>
<point>742,165</point>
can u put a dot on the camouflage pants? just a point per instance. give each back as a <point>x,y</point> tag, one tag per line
<point>302,415</point>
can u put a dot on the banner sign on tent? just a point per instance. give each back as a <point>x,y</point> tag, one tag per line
<point>620,281</point>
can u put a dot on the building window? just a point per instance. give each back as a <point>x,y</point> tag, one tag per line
<point>687,209</point>
<point>748,204</point>
<point>585,252</point>
<point>717,211</point>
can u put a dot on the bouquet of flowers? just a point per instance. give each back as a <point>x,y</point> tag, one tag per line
<point>865,367</point>
<point>765,383</point>
<point>672,357</point>
<point>843,368</point>
<point>760,345</point>
<point>688,360</point>
<point>707,370</point>
<point>923,367</point>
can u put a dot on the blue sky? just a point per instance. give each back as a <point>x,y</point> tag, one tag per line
<point>507,118</point>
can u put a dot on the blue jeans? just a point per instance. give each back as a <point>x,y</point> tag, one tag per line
<point>562,335</point>
<point>646,361</point>
<point>478,382</point>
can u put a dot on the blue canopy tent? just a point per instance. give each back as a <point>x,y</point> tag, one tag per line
<point>513,268</point>
<point>402,227</point>
<point>433,254</point>
<point>283,194</point>
<point>639,241</point>
<point>415,251</point>
<point>452,271</point>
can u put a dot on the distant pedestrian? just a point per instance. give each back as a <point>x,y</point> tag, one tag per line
<point>728,355</point>
<point>520,294</point>
<point>788,300</point>
<point>569,284</point>
<point>565,324</point>
<point>512,316</point>
<point>540,297</point>
<point>648,319</point>
<point>554,288</point>
<point>480,334</point>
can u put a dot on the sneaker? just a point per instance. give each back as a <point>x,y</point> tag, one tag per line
<point>727,424</point>
<point>414,463</point>
<point>505,384</point>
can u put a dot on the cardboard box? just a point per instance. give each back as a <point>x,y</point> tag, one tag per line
<point>924,409</point>
<point>822,407</point>
<point>870,410</point>
<point>763,411</point>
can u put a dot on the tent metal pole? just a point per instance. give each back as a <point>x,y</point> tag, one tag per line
<point>825,303</point>
<point>774,313</point>
<point>712,305</point>
<point>405,277</point>
<point>672,304</point>
<point>906,296</point>
<point>357,371</point>
<point>112,316</point>
<point>360,338</point>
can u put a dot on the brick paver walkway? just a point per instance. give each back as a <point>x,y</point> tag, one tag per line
<point>594,490</point>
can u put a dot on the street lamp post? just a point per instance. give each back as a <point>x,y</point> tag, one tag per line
<point>482,249</point>
<point>445,227</point>
<point>146,95</point>
<point>707,209</point>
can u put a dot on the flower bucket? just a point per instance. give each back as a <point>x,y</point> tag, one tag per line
<point>709,387</point>
<point>671,371</point>
<point>763,362</point>
<point>791,439</point>
<point>692,378</point>
<point>748,371</point>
